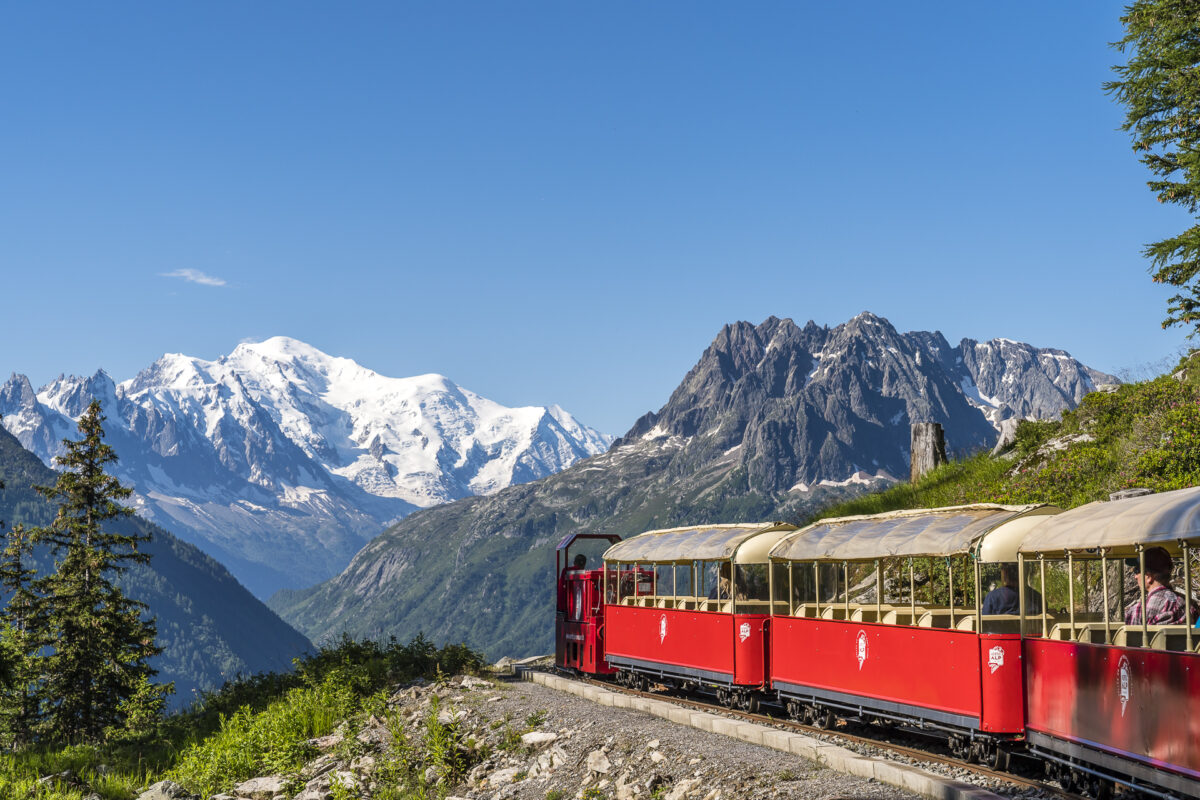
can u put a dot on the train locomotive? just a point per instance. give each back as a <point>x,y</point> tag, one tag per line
<point>999,628</point>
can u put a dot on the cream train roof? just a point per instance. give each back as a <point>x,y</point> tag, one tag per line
<point>746,543</point>
<point>915,532</point>
<point>1119,525</point>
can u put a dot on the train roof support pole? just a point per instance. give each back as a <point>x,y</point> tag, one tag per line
<point>817,583</point>
<point>1187,592</point>
<point>950,578</point>
<point>1021,591</point>
<point>846,583</point>
<point>791,592</point>
<point>1071,591</point>
<point>978,594</point>
<point>878,590</point>
<point>1104,588</point>
<point>1141,551</point>
<point>1044,615</point>
<point>912,591</point>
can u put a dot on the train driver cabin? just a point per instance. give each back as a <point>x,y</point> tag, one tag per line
<point>579,613</point>
<point>689,607</point>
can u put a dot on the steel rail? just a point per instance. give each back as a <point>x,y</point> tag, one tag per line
<point>883,744</point>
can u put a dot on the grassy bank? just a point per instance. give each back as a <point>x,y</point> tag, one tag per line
<point>257,726</point>
<point>1139,435</point>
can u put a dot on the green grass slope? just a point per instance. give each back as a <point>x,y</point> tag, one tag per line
<point>1139,435</point>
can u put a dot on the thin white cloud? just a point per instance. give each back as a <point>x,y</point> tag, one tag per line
<point>194,276</point>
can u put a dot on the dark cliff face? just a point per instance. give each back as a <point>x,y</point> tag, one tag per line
<point>767,413</point>
<point>810,404</point>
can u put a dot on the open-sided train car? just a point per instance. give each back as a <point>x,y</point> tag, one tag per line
<point>689,607</point>
<point>1106,701</point>
<point>881,617</point>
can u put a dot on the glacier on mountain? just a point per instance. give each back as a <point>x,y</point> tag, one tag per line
<point>282,460</point>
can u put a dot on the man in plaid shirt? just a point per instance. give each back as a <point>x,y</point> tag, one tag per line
<point>1164,606</point>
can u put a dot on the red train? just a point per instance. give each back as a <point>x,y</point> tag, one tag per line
<point>1000,628</point>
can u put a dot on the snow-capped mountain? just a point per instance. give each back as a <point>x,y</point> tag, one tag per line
<point>281,460</point>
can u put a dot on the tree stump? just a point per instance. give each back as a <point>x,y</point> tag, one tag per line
<point>928,448</point>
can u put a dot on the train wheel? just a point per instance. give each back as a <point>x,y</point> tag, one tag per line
<point>795,710</point>
<point>746,701</point>
<point>1099,788</point>
<point>1071,781</point>
<point>997,758</point>
<point>823,718</point>
<point>724,697</point>
<point>960,747</point>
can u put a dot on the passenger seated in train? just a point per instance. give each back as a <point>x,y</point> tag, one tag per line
<point>1164,606</point>
<point>722,587</point>
<point>1004,598</point>
<point>580,562</point>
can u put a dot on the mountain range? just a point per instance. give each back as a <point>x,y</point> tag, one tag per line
<point>281,461</point>
<point>774,421</point>
<point>210,627</point>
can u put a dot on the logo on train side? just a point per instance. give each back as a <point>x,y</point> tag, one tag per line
<point>744,631</point>
<point>662,628</point>
<point>1123,682</point>
<point>860,648</point>
<point>996,658</point>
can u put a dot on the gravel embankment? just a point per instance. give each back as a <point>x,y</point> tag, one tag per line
<point>643,756</point>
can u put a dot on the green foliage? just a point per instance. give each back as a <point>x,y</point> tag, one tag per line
<point>1160,88</point>
<point>1142,434</point>
<point>442,742</point>
<point>270,741</point>
<point>250,727</point>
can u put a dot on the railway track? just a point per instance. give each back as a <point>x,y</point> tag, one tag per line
<point>840,733</point>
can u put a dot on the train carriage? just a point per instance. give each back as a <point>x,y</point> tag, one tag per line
<point>880,618</point>
<point>1106,701</point>
<point>689,607</point>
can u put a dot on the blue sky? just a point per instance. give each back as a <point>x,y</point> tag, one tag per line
<point>563,202</point>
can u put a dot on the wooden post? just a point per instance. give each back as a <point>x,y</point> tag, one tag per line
<point>928,448</point>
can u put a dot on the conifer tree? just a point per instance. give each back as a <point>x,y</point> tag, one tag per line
<point>101,642</point>
<point>1160,89</point>
<point>23,637</point>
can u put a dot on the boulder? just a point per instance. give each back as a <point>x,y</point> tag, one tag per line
<point>318,766</point>
<point>597,762</point>
<point>535,738</point>
<point>680,790</point>
<point>263,788</point>
<point>166,790</point>
<point>375,732</point>
<point>504,776</point>
<point>327,742</point>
